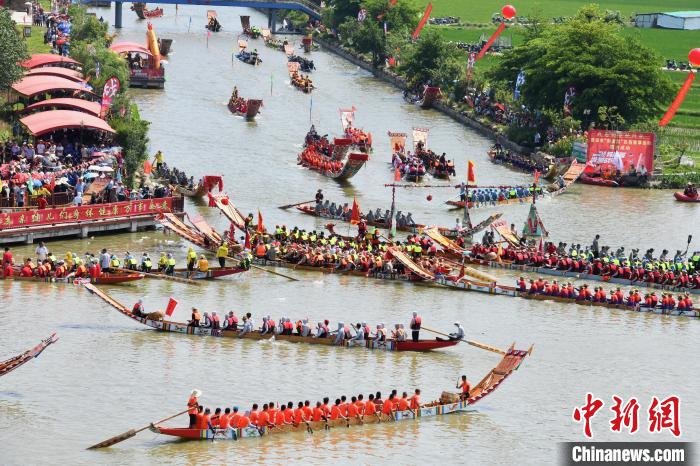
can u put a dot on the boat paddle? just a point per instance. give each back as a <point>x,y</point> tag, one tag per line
<point>131,433</point>
<point>477,344</point>
<point>274,273</point>
<point>162,277</point>
<point>294,205</point>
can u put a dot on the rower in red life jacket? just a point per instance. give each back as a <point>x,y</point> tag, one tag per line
<point>547,289</point>
<point>231,321</point>
<point>522,286</point>
<point>654,299</point>
<point>215,321</point>
<point>584,293</point>
<point>533,287</point>
<point>555,288</point>
<point>26,270</point>
<point>416,322</point>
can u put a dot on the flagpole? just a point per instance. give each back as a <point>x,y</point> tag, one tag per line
<point>393,211</point>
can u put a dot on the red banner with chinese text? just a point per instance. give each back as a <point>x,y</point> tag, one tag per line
<point>620,150</point>
<point>87,213</point>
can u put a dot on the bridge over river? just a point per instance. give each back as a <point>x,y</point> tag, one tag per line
<point>268,6</point>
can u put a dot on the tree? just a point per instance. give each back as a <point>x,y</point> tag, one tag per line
<point>98,56</point>
<point>340,11</point>
<point>85,27</point>
<point>433,59</point>
<point>586,52</point>
<point>12,52</point>
<point>132,135</point>
<point>368,36</point>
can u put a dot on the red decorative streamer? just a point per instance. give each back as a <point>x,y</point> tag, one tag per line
<point>491,40</point>
<point>671,112</point>
<point>423,20</point>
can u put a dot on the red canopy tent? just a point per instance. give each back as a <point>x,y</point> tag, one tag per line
<point>32,85</point>
<point>43,59</point>
<point>93,108</point>
<point>54,120</point>
<point>67,73</point>
<point>133,47</point>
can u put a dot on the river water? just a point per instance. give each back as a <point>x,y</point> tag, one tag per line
<point>108,374</point>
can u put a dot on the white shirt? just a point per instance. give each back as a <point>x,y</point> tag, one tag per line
<point>41,252</point>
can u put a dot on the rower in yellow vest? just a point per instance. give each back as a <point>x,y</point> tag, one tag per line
<point>222,253</point>
<point>159,159</point>
<point>171,265</point>
<point>203,264</point>
<point>69,260</point>
<point>163,263</point>
<point>191,259</point>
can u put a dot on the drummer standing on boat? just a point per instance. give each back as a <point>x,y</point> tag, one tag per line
<point>416,322</point>
<point>192,405</point>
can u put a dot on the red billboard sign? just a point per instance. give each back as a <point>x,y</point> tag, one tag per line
<point>620,150</point>
<point>87,213</point>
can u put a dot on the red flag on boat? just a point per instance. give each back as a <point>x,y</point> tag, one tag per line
<point>52,184</point>
<point>540,248</point>
<point>397,174</point>
<point>423,20</point>
<point>537,176</point>
<point>471,176</point>
<point>355,215</point>
<point>171,307</point>
<point>261,227</point>
<point>147,167</point>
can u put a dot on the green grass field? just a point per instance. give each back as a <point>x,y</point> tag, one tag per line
<point>480,11</point>
<point>669,44</point>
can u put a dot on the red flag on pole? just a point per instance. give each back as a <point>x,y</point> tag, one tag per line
<point>397,174</point>
<point>52,184</point>
<point>423,20</point>
<point>355,214</point>
<point>261,227</point>
<point>471,176</point>
<point>171,307</point>
<point>537,176</point>
<point>147,167</point>
<point>671,112</point>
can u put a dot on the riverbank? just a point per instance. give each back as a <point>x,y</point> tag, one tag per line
<point>668,179</point>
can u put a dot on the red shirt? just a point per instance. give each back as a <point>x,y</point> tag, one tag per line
<point>403,404</point>
<point>352,410</point>
<point>335,412</point>
<point>370,408</point>
<point>387,407</point>
<point>263,419</point>
<point>7,257</point>
<point>41,203</point>
<point>317,414</point>
<point>279,418</point>
<point>289,416</point>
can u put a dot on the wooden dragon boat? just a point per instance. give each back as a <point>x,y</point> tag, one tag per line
<point>249,58</point>
<point>183,328</point>
<point>502,290</point>
<point>338,165</point>
<point>309,209</point>
<point>572,174</point>
<point>106,278</point>
<point>248,108</point>
<point>213,272</point>
<point>203,187</point>
<point>449,403</point>
<point>143,13</point>
<point>13,363</point>
<point>578,275</point>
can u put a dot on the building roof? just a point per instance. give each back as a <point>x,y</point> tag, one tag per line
<point>32,85</point>
<point>126,47</point>
<point>93,108</point>
<point>43,59</point>
<point>683,14</point>
<point>67,73</point>
<point>54,120</point>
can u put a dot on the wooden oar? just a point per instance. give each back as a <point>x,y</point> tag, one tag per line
<point>162,276</point>
<point>294,205</point>
<point>477,344</point>
<point>274,273</point>
<point>131,433</point>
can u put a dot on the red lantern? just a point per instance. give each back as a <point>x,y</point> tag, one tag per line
<point>224,201</point>
<point>694,57</point>
<point>430,197</point>
<point>508,11</point>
